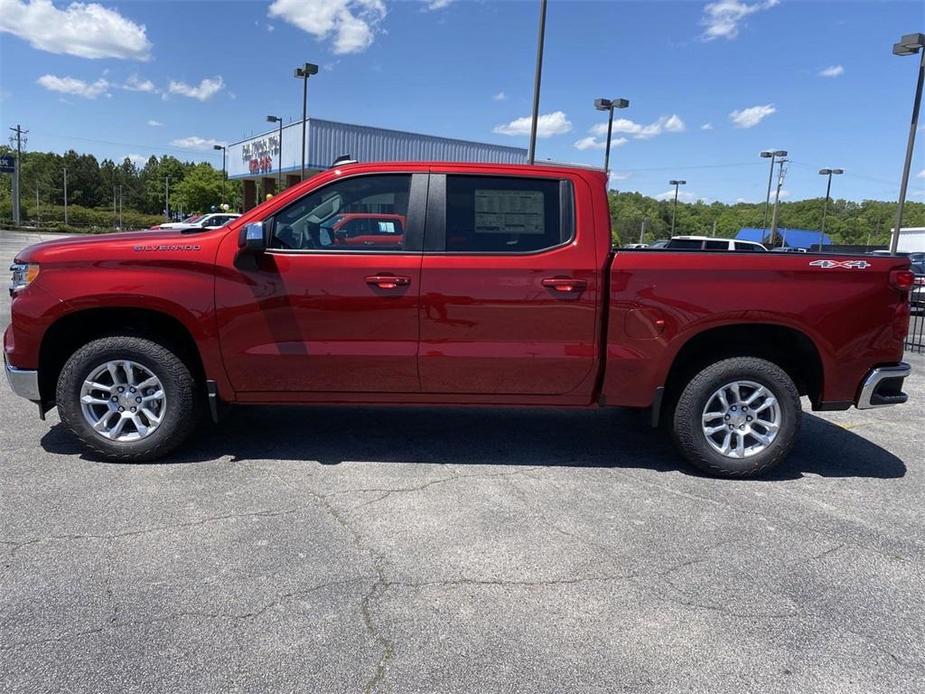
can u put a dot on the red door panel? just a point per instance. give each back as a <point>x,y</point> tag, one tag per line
<point>518,323</point>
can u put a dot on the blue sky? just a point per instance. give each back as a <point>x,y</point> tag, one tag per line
<point>710,84</point>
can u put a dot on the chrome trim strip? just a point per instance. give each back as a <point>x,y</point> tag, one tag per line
<point>25,383</point>
<point>873,379</point>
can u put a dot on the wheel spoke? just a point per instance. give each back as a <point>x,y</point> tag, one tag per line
<point>740,445</point>
<point>761,438</point>
<point>712,430</point>
<point>90,400</point>
<point>152,418</point>
<point>768,402</point>
<point>140,427</point>
<point>149,382</point>
<point>129,373</point>
<point>724,449</point>
<point>157,395</point>
<point>114,372</point>
<point>759,392</point>
<point>93,385</point>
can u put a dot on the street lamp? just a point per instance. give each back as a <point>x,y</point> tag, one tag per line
<point>303,73</point>
<point>279,156</point>
<point>770,154</point>
<point>674,208</point>
<point>222,147</point>
<point>609,105</point>
<point>537,78</point>
<point>828,190</point>
<point>910,44</point>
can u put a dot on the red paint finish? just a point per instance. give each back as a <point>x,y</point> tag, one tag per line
<point>569,326</point>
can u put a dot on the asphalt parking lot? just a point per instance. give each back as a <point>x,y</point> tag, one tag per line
<point>444,550</point>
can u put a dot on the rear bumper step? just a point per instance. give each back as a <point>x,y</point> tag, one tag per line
<point>882,387</point>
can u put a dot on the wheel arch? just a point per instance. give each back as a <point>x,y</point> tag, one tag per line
<point>72,330</point>
<point>787,347</point>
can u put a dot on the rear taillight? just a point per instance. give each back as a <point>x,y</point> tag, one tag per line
<point>903,280</point>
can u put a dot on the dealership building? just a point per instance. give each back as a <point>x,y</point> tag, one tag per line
<point>258,161</point>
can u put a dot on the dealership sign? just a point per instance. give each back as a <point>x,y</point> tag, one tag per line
<point>258,155</point>
<point>7,164</point>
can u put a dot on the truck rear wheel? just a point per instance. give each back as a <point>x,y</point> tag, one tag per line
<point>128,399</point>
<point>737,418</point>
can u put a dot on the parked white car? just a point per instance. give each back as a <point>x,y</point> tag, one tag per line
<point>708,243</point>
<point>200,221</point>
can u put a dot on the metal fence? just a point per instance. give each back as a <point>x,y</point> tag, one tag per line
<point>915,340</point>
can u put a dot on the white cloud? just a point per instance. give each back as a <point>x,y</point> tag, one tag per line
<point>138,160</point>
<point>547,125</point>
<point>72,85</point>
<point>619,175</point>
<point>84,30</point>
<point>500,96</point>
<point>639,131</point>
<point>437,4</point>
<point>920,174</point>
<point>135,84</point>
<point>832,71</point>
<point>683,196</point>
<point>706,126</point>
<point>155,123</point>
<point>350,24</point>
<point>752,116</point>
<point>195,142</point>
<point>722,18</point>
<point>206,89</point>
<point>783,194</point>
<point>592,142</point>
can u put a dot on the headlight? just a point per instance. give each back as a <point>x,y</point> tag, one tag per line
<point>23,274</point>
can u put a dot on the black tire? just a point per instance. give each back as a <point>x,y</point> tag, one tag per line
<point>181,412</point>
<point>687,429</point>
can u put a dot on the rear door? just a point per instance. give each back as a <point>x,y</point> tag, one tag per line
<point>509,286</point>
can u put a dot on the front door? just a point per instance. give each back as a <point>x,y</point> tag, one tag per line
<point>509,295</point>
<point>319,312</point>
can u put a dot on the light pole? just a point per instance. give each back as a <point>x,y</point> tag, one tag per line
<point>540,39</point>
<point>65,196</point>
<point>828,190</point>
<point>167,197</point>
<point>222,147</point>
<point>910,44</point>
<point>674,207</point>
<point>780,183</point>
<point>609,105</point>
<point>770,154</point>
<point>303,73</point>
<point>279,166</point>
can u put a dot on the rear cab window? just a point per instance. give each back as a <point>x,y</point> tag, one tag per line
<point>507,214</point>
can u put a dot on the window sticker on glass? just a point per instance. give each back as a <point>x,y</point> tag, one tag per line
<point>386,227</point>
<point>509,212</point>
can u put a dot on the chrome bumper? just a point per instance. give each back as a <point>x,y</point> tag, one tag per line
<point>25,383</point>
<point>883,387</point>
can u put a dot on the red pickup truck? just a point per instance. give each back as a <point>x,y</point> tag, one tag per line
<point>503,290</point>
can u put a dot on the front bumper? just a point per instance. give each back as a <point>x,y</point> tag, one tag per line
<point>24,382</point>
<point>883,387</point>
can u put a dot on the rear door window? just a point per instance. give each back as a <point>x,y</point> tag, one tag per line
<point>716,245</point>
<point>685,244</point>
<point>499,214</point>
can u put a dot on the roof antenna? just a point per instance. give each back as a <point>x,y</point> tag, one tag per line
<point>343,159</point>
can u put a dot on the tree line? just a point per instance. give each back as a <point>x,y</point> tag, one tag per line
<point>106,184</point>
<point>99,186</point>
<point>847,222</point>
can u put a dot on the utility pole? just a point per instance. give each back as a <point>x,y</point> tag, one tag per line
<point>642,229</point>
<point>37,213</point>
<point>537,78</point>
<point>780,183</point>
<point>18,133</point>
<point>167,197</point>
<point>714,228</point>
<point>65,196</point>
<point>120,207</point>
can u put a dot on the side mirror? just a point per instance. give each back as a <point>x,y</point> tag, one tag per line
<point>253,238</point>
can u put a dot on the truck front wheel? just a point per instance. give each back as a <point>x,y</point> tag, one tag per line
<point>737,418</point>
<point>128,399</point>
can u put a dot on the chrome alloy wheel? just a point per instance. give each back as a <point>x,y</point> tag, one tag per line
<point>741,419</point>
<point>123,401</point>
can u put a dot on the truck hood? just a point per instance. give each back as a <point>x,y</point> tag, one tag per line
<point>103,246</point>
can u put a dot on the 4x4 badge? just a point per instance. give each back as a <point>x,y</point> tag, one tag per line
<point>850,264</point>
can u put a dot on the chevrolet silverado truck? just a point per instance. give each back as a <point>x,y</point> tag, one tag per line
<point>501,289</point>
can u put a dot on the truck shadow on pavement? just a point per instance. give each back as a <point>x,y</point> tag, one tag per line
<point>471,436</point>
